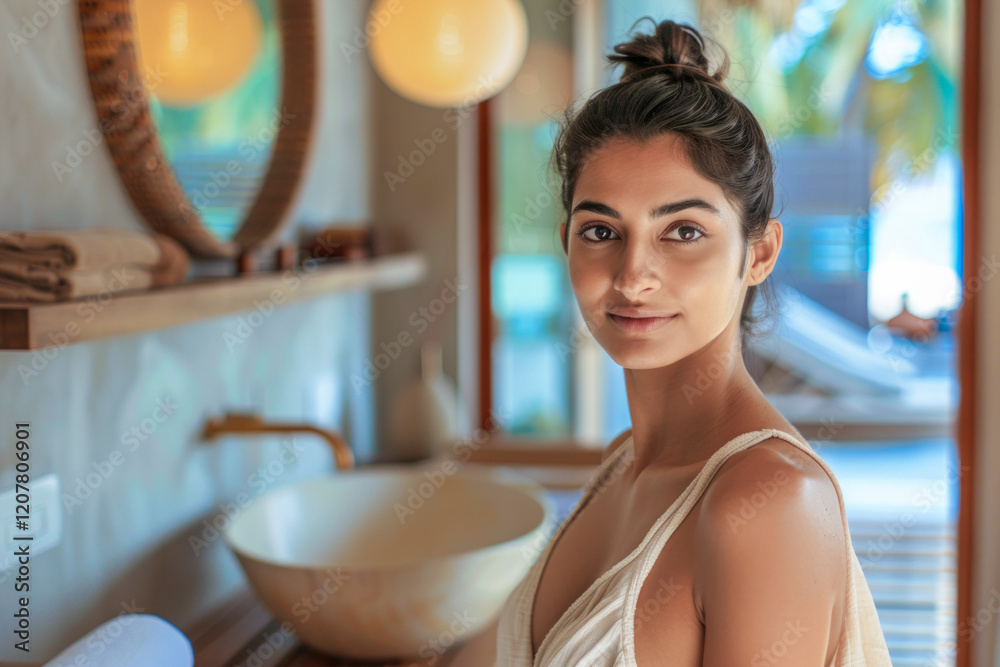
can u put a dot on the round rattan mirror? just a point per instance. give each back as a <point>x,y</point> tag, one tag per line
<point>211,150</point>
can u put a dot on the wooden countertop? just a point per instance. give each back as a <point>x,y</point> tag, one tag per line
<point>241,628</point>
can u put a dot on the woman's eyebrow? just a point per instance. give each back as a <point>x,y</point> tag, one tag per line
<point>655,212</point>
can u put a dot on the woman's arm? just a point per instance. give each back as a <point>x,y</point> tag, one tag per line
<point>772,563</point>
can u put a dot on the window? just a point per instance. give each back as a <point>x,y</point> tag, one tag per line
<point>864,135</point>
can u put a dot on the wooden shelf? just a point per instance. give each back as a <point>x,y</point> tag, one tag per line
<point>31,326</point>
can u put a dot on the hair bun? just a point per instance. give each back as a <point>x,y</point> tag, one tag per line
<point>670,44</point>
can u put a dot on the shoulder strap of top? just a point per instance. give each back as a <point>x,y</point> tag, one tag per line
<point>690,496</point>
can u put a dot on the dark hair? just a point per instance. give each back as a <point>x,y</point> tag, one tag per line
<point>667,88</point>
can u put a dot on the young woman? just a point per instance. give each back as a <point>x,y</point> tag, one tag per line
<point>712,534</point>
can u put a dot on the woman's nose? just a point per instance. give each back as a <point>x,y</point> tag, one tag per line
<point>639,272</point>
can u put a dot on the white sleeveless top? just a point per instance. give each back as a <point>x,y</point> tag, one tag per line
<point>597,629</point>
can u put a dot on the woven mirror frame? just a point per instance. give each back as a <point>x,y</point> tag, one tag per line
<point>125,120</point>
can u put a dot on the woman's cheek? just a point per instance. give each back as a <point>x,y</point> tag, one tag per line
<point>587,282</point>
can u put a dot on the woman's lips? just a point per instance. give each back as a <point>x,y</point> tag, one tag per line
<point>639,323</point>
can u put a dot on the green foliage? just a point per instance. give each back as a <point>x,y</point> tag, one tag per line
<point>912,117</point>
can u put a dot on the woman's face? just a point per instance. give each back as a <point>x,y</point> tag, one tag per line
<point>654,253</point>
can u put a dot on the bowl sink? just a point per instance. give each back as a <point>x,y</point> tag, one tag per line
<point>387,562</point>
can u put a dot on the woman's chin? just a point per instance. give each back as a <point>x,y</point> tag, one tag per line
<point>632,356</point>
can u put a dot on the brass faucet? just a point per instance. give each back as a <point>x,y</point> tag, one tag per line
<point>235,422</point>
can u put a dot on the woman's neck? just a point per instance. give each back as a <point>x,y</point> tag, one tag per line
<point>684,412</point>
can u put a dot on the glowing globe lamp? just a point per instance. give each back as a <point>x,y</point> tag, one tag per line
<point>193,50</point>
<point>447,53</point>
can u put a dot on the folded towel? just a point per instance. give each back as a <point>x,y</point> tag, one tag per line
<point>55,266</point>
<point>173,264</point>
<point>76,284</point>
<point>83,249</point>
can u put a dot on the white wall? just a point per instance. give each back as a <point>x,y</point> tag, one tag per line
<point>127,545</point>
<point>417,154</point>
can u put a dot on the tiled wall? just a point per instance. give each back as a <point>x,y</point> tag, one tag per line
<point>118,419</point>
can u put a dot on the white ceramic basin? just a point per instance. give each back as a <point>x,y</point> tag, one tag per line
<point>387,562</point>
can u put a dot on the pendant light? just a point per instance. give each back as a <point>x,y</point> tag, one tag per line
<point>447,53</point>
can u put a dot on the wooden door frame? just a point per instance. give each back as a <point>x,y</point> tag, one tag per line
<point>968,320</point>
<point>485,251</point>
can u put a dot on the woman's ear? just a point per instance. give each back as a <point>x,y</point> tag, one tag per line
<point>764,253</point>
<point>562,237</point>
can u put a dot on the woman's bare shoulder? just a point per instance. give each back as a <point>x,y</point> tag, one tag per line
<point>774,501</point>
<point>773,471</point>
<point>771,547</point>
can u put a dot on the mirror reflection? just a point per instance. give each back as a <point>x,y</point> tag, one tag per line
<point>212,71</point>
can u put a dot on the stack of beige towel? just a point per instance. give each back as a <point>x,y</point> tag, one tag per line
<point>69,264</point>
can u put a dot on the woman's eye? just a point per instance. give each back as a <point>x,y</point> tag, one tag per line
<point>598,233</point>
<point>688,233</point>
